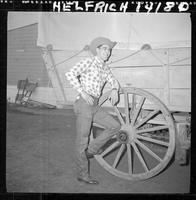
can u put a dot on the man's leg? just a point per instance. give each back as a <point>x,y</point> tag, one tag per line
<point>111,128</point>
<point>83,126</point>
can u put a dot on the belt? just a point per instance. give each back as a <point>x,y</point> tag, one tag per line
<point>95,102</point>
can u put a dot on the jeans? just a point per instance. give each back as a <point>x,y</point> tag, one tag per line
<point>85,116</point>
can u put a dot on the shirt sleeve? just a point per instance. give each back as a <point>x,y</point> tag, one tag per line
<point>73,74</point>
<point>111,80</point>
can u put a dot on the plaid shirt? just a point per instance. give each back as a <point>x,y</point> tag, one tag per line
<point>90,75</point>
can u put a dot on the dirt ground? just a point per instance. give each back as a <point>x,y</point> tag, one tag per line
<point>39,158</point>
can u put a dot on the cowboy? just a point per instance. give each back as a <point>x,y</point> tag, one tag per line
<point>88,77</point>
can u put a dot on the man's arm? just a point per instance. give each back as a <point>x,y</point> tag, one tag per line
<point>75,71</point>
<point>114,96</point>
<point>72,77</point>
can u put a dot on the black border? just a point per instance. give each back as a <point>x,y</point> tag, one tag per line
<point>18,6</point>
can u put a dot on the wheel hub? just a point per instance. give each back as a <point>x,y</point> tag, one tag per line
<point>125,135</point>
<point>122,137</point>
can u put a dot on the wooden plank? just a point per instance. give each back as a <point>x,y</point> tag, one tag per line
<point>179,54</point>
<point>180,77</point>
<point>55,79</point>
<point>182,143</point>
<point>180,97</point>
<point>150,57</point>
<point>166,80</point>
<point>140,77</point>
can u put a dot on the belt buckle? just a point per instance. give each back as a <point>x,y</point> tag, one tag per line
<point>78,97</point>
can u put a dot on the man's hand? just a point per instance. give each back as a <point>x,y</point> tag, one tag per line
<point>114,96</point>
<point>87,98</point>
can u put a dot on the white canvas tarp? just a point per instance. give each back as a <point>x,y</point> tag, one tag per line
<point>74,30</point>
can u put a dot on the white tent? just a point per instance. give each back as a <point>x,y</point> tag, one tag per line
<point>74,30</point>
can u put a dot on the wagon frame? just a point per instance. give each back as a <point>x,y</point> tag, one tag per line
<point>131,139</point>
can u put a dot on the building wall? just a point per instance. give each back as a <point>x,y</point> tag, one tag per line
<point>24,58</point>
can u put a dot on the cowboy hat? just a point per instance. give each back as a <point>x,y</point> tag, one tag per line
<point>100,41</point>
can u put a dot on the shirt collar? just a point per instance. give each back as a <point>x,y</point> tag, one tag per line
<point>99,61</point>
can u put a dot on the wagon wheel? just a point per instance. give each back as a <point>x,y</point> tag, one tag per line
<point>146,142</point>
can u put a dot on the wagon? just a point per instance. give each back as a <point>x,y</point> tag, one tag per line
<point>154,100</point>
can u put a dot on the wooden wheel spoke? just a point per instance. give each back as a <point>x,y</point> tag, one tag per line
<point>137,111</point>
<point>132,106</point>
<point>153,140</point>
<point>147,118</point>
<point>129,159</point>
<point>148,150</point>
<point>110,148</point>
<point>126,99</point>
<point>119,115</point>
<point>156,128</point>
<point>116,161</point>
<point>140,157</point>
<point>133,102</point>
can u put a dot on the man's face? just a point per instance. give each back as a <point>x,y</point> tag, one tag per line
<point>103,52</point>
